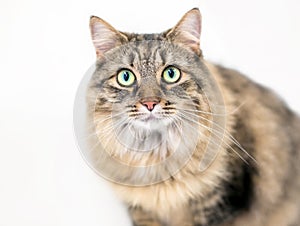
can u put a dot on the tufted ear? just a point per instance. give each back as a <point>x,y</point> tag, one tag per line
<point>187,31</point>
<point>104,36</point>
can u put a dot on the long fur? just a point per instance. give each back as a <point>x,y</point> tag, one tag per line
<point>246,136</point>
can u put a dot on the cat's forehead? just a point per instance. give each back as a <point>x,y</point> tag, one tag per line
<point>147,66</point>
<point>149,57</point>
<point>146,57</point>
<point>133,37</point>
<point>156,51</point>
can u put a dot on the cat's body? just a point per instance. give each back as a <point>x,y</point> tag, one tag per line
<point>253,178</point>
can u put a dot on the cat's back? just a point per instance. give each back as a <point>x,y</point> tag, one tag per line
<point>275,132</point>
<point>250,98</point>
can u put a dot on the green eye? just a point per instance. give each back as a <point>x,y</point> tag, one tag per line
<point>171,74</point>
<point>126,78</point>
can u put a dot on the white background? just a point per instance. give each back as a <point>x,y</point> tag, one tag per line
<point>45,49</point>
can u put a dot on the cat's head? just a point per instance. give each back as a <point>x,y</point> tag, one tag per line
<point>148,90</point>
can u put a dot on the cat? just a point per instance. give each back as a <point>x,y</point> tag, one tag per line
<point>185,142</point>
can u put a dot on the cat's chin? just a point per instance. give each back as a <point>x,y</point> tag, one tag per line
<point>152,122</point>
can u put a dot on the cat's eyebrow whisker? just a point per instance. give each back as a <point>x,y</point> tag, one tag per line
<point>216,132</point>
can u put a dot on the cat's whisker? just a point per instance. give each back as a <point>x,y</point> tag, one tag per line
<point>218,106</point>
<point>100,133</point>
<point>228,135</point>
<point>93,110</point>
<point>238,107</point>
<point>106,129</point>
<point>105,138</point>
<point>94,146</point>
<point>102,119</point>
<point>175,121</point>
<point>110,116</point>
<point>116,126</point>
<point>210,138</point>
<point>212,113</point>
<point>202,112</point>
<point>217,143</point>
<point>216,133</point>
<point>96,131</point>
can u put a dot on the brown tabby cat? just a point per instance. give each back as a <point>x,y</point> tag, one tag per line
<point>185,142</point>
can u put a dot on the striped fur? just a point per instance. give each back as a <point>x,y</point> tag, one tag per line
<point>254,179</point>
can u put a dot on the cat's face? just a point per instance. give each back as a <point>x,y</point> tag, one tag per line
<point>148,90</point>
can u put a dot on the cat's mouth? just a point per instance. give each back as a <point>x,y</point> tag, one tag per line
<point>150,118</point>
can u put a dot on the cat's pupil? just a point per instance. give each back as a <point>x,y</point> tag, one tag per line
<point>171,73</point>
<point>126,76</point>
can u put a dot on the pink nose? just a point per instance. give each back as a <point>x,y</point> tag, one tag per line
<point>149,104</point>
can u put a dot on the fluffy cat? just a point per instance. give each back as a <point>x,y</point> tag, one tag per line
<point>185,142</point>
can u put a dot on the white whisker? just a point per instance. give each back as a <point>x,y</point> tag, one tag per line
<point>228,135</point>
<point>217,133</point>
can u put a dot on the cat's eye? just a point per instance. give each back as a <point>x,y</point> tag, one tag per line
<point>126,78</point>
<point>171,75</point>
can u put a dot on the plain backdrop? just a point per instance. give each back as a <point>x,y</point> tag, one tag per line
<point>45,49</point>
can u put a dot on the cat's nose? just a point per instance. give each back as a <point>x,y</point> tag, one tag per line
<point>150,104</point>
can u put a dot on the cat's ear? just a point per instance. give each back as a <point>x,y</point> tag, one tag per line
<point>187,31</point>
<point>104,36</point>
